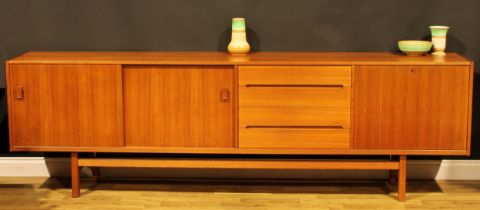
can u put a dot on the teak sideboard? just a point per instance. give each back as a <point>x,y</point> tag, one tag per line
<point>269,103</point>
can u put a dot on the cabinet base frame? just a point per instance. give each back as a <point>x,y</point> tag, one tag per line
<point>222,163</point>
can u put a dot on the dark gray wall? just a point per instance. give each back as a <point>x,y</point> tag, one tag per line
<point>203,25</point>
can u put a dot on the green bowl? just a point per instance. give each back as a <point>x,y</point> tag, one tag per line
<point>414,47</point>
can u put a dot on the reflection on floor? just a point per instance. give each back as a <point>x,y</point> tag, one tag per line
<point>44,193</point>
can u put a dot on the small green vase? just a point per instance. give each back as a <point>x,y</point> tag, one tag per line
<point>439,39</point>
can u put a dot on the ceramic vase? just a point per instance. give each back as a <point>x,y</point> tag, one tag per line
<point>439,39</point>
<point>238,45</point>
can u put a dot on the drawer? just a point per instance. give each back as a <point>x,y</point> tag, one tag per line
<point>293,116</point>
<point>294,138</point>
<point>295,75</point>
<point>295,96</point>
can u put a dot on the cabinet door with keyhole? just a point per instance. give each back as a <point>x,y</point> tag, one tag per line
<point>65,105</point>
<point>178,106</point>
<point>411,107</point>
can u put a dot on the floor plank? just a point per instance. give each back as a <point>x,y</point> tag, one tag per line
<point>140,194</point>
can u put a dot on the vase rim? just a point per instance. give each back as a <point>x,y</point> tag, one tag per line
<point>439,27</point>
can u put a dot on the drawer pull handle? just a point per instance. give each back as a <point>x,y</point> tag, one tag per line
<point>296,127</point>
<point>224,95</point>
<point>19,93</point>
<point>296,85</point>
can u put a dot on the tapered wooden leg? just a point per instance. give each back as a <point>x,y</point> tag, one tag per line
<point>402,178</point>
<point>75,175</point>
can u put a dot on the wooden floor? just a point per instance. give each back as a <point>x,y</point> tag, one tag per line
<point>43,193</point>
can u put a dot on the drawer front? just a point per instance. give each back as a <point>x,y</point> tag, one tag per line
<point>294,107</point>
<point>295,75</point>
<point>294,96</point>
<point>294,138</point>
<point>294,116</point>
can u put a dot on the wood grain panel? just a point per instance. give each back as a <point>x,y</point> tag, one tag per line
<point>470,99</point>
<point>294,96</point>
<point>428,120</point>
<point>294,116</point>
<point>294,138</point>
<point>223,163</point>
<point>178,106</point>
<point>267,151</point>
<point>411,107</point>
<point>295,75</point>
<point>223,58</point>
<point>66,105</point>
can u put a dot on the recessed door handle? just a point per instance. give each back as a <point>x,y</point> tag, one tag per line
<point>225,95</point>
<point>19,93</point>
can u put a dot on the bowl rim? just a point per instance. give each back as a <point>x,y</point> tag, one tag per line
<point>414,42</point>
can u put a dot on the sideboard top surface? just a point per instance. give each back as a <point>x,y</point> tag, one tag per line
<point>223,58</point>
